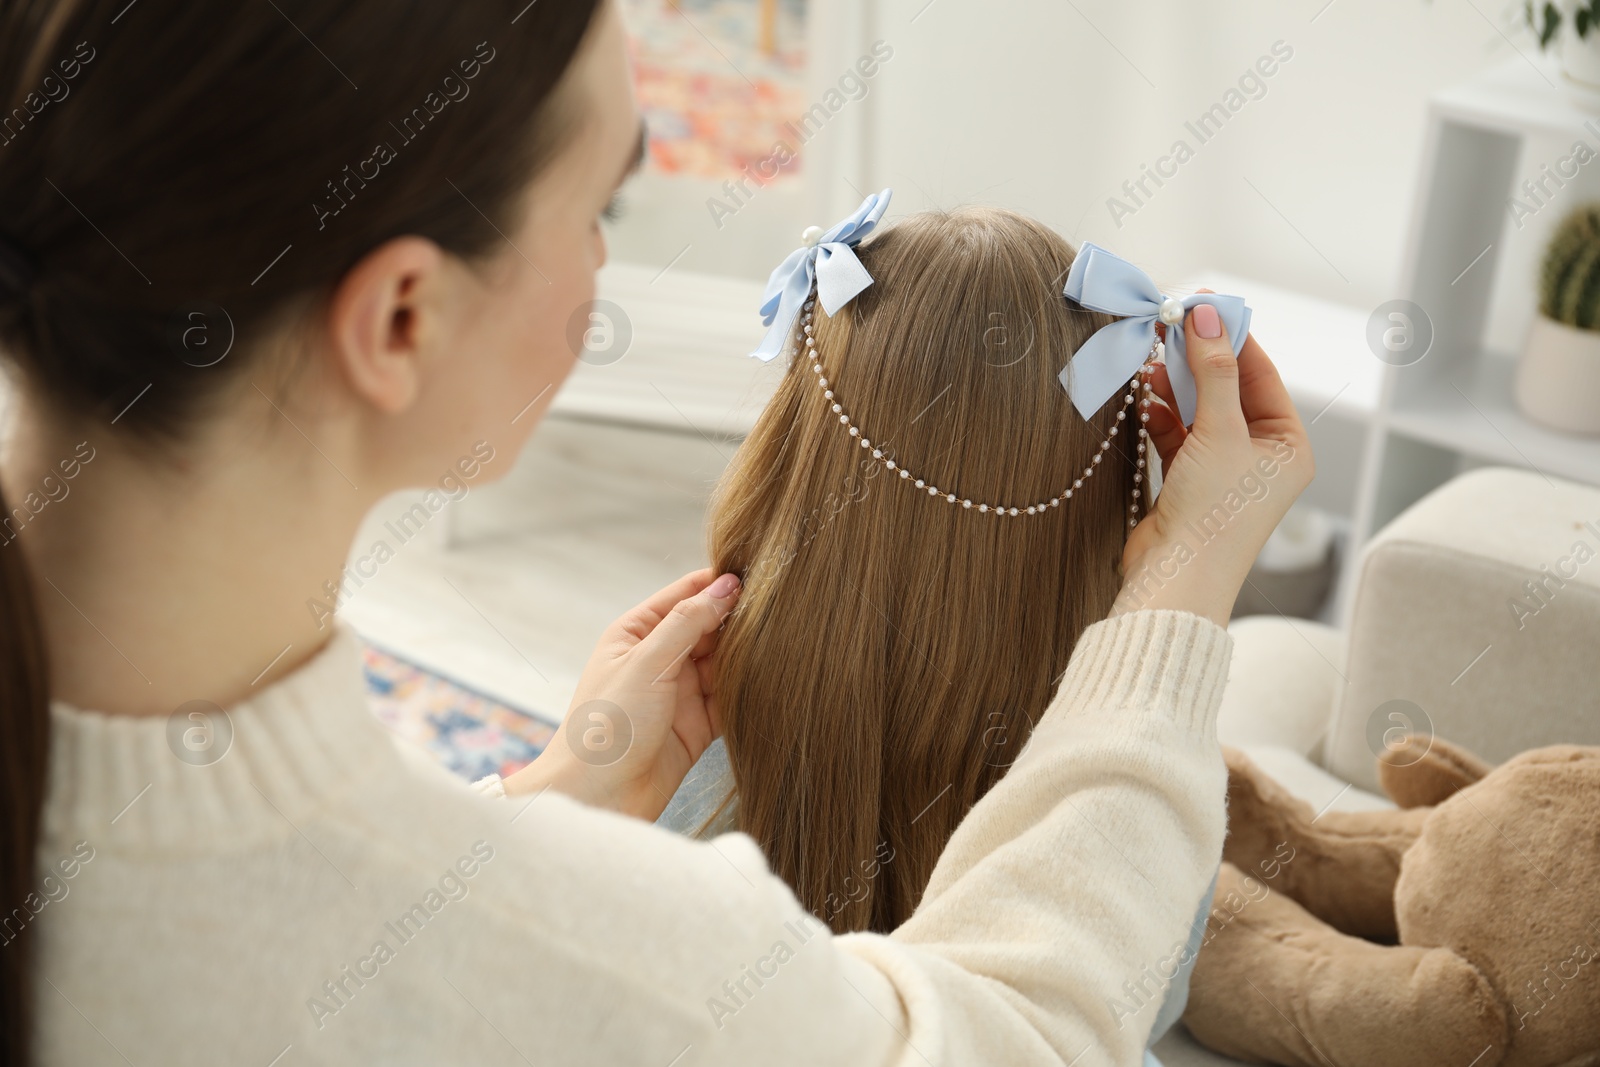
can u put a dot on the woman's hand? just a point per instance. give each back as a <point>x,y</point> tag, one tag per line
<point>643,711</point>
<point>1226,482</point>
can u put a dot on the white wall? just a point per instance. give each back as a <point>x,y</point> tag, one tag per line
<point>1025,104</point>
<point>1048,106</point>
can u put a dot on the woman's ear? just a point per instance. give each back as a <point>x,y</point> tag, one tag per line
<point>385,318</point>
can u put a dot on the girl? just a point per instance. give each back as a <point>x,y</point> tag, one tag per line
<point>267,263</point>
<point>892,650</point>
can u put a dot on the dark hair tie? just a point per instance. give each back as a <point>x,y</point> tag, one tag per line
<point>17,269</point>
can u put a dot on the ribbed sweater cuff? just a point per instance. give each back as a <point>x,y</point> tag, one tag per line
<point>1170,663</point>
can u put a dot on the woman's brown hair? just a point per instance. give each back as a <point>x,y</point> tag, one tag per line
<point>891,651</point>
<point>166,158</point>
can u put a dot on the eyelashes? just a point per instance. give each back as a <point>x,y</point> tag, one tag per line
<point>615,208</point>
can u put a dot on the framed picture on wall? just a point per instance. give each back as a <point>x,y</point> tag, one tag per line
<point>758,114</point>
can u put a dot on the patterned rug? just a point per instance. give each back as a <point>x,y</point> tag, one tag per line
<point>471,734</point>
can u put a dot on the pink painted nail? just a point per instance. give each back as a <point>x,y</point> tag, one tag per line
<point>1206,323</point>
<point>723,587</point>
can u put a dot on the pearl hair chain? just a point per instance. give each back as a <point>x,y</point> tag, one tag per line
<point>1143,381</point>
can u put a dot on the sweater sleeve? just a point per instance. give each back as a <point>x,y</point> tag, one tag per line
<point>1069,889</point>
<point>1041,939</point>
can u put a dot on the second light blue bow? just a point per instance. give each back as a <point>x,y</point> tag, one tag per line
<point>1103,281</point>
<point>829,258</point>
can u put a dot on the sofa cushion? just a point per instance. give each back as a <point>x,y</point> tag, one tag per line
<point>1476,617</point>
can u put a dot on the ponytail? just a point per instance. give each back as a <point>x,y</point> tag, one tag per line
<point>24,762</point>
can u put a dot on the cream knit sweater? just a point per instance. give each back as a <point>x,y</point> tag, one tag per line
<point>315,897</point>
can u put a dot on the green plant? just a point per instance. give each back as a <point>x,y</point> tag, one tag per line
<point>1569,280</point>
<point>1545,21</point>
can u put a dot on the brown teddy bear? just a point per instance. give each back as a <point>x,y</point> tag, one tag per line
<point>1462,930</point>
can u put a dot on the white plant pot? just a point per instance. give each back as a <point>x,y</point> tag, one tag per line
<point>1558,376</point>
<point>1580,56</point>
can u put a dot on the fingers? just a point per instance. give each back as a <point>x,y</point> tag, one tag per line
<point>707,669</point>
<point>1215,370</point>
<point>1262,394</point>
<point>1166,433</point>
<point>666,649</point>
<point>644,616</point>
<point>1166,429</point>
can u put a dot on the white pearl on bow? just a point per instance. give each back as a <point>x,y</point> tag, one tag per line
<point>811,236</point>
<point>1172,311</point>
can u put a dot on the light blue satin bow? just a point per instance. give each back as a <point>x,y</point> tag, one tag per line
<point>1102,281</point>
<point>827,257</point>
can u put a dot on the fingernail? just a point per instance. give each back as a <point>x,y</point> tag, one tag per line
<point>1206,323</point>
<point>723,587</point>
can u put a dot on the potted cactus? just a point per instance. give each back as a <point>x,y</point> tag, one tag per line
<point>1558,378</point>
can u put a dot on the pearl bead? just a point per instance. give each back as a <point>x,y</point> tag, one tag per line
<point>1145,417</point>
<point>951,498</point>
<point>811,235</point>
<point>1172,311</point>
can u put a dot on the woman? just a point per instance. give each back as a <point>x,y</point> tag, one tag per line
<point>379,223</point>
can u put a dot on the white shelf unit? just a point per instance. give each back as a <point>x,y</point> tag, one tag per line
<point>1454,408</point>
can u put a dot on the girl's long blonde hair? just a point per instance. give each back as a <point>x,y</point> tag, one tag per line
<point>891,651</point>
